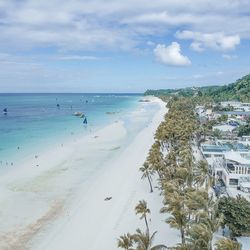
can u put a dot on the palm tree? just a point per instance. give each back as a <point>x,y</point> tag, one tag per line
<point>155,158</point>
<point>199,236</point>
<point>126,241</point>
<point>143,210</point>
<point>227,244</point>
<point>179,214</point>
<point>144,241</point>
<point>146,173</point>
<point>201,174</point>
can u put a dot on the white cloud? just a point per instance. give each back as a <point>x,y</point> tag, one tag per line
<point>163,17</point>
<point>218,41</point>
<point>196,46</point>
<point>112,24</point>
<point>229,57</point>
<point>171,55</point>
<point>150,43</point>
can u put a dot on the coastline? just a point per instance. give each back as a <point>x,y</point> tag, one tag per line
<point>85,220</point>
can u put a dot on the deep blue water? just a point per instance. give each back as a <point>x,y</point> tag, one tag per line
<point>34,119</point>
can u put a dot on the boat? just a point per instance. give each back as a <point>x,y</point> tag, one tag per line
<point>85,120</point>
<point>5,111</point>
<point>79,114</point>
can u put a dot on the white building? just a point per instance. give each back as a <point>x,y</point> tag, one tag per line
<point>230,165</point>
<point>234,104</point>
<point>224,128</point>
<point>232,169</point>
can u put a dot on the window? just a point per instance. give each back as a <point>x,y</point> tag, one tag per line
<point>233,182</point>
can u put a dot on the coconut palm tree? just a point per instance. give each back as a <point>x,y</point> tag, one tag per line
<point>142,209</point>
<point>227,244</point>
<point>199,236</point>
<point>144,241</point>
<point>155,158</point>
<point>126,241</point>
<point>201,174</point>
<point>147,172</point>
<point>179,218</point>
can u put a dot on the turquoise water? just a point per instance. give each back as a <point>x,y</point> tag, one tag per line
<point>226,146</point>
<point>235,146</point>
<point>34,120</point>
<point>214,148</point>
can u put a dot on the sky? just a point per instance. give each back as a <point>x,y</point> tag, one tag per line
<point>122,45</point>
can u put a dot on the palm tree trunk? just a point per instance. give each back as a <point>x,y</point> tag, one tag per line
<point>151,188</point>
<point>159,174</point>
<point>146,222</point>
<point>182,235</point>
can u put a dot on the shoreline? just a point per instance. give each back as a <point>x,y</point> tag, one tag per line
<point>94,190</point>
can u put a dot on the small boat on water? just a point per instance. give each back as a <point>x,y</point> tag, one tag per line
<point>79,114</point>
<point>85,120</point>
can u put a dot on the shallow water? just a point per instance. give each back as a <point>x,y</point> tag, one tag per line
<point>34,121</point>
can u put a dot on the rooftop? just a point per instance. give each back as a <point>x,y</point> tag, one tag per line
<point>237,157</point>
<point>224,128</point>
<point>224,147</point>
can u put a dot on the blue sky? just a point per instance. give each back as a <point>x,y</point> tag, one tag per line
<point>121,46</point>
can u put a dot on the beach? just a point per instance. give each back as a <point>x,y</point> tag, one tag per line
<point>61,205</point>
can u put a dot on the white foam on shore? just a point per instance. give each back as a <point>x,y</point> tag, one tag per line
<point>60,204</point>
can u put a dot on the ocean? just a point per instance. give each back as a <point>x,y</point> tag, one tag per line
<point>34,121</point>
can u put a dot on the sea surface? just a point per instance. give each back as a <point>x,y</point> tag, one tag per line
<point>34,121</point>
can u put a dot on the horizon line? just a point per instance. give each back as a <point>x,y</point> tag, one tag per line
<point>134,93</point>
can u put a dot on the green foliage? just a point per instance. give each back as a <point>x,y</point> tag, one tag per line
<point>236,213</point>
<point>223,118</point>
<point>126,241</point>
<point>139,241</point>
<point>240,90</point>
<point>142,209</point>
<point>244,130</point>
<point>144,241</point>
<point>227,244</point>
<point>217,133</point>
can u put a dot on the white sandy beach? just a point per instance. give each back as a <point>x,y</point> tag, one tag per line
<point>54,206</point>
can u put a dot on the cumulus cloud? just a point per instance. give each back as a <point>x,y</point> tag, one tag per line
<point>218,40</point>
<point>171,55</point>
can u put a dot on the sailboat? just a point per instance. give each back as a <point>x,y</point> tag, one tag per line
<point>85,120</point>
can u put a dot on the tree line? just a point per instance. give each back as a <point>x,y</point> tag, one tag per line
<point>184,183</point>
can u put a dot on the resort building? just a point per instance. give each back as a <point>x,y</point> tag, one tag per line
<point>229,162</point>
<point>245,139</point>
<point>234,104</point>
<point>227,128</point>
<point>237,106</point>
